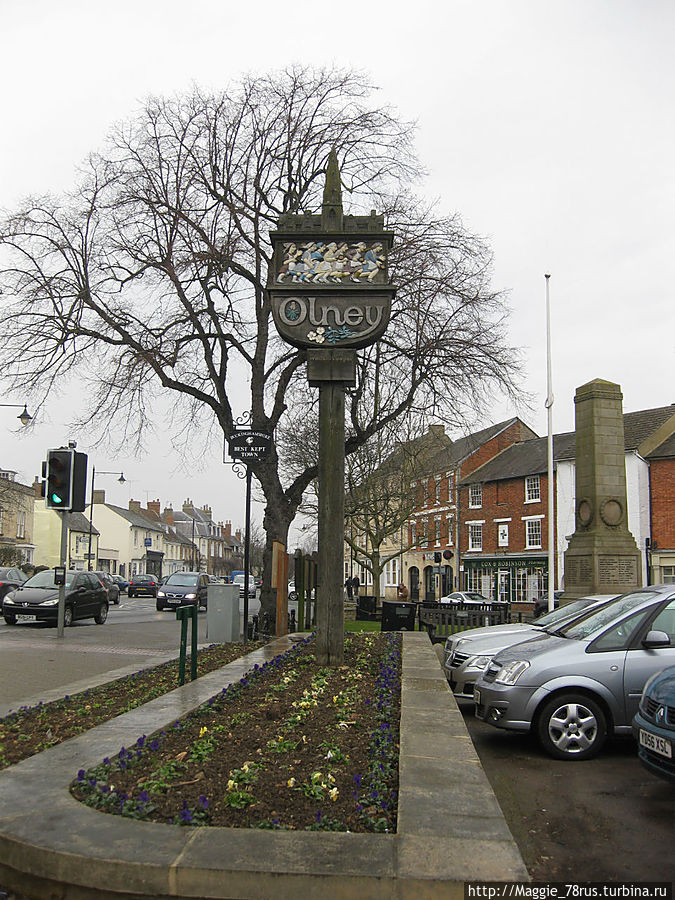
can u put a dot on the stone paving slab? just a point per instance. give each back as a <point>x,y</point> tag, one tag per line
<point>450,826</point>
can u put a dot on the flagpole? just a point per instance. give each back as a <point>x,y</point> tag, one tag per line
<point>549,447</point>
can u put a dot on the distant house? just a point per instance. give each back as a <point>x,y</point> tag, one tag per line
<point>16,520</point>
<point>47,535</point>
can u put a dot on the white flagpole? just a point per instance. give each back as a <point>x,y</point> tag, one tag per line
<point>549,408</point>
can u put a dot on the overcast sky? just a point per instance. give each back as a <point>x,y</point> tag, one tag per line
<point>547,126</point>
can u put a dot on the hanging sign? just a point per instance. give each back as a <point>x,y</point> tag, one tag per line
<point>249,446</point>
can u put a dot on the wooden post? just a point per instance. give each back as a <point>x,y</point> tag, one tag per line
<point>329,600</point>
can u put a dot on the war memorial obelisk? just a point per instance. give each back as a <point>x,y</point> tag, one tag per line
<point>330,294</point>
<point>602,556</point>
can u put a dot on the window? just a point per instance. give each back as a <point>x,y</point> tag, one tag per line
<point>21,524</point>
<point>425,532</point>
<point>413,533</point>
<point>532,488</point>
<point>475,537</point>
<point>503,534</point>
<point>667,571</point>
<point>437,525</point>
<point>391,572</point>
<point>533,534</point>
<point>438,490</point>
<point>1,520</point>
<point>425,493</point>
<point>475,496</point>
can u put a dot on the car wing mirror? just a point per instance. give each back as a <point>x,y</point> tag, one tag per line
<point>656,639</point>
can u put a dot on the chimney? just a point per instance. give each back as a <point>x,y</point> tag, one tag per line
<point>37,488</point>
<point>154,506</point>
<point>99,497</point>
<point>237,534</point>
<point>135,506</point>
<point>188,507</point>
<point>168,516</point>
<point>207,511</point>
<point>228,529</point>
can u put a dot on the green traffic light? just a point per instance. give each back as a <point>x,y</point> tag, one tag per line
<point>56,498</point>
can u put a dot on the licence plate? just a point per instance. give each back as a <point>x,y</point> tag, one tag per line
<point>657,744</point>
<point>26,618</point>
<point>476,696</point>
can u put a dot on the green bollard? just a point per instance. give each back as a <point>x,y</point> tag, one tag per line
<point>183,613</point>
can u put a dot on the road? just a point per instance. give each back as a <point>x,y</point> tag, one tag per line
<point>35,663</point>
<point>604,819</point>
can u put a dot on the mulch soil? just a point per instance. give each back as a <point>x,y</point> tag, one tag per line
<point>293,746</point>
<point>30,730</point>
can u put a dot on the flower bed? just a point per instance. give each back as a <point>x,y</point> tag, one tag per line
<point>290,746</point>
<point>32,729</point>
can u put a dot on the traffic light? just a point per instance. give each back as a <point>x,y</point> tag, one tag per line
<point>65,485</point>
<point>59,487</point>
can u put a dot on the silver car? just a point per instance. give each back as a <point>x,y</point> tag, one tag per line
<point>468,653</point>
<point>576,686</point>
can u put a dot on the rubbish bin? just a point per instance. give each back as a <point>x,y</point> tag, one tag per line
<point>366,607</point>
<point>398,615</point>
<point>222,613</point>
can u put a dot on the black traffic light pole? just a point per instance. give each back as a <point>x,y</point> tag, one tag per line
<point>61,612</point>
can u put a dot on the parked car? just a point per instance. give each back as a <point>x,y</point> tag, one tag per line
<point>121,583</point>
<point>468,653</point>
<point>541,604</point>
<point>110,585</point>
<point>182,589</point>
<point>37,600</point>
<point>11,578</point>
<point>239,579</point>
<point>576,686</point>
<point>654,725</point>
<point>142,586</point>
<point>468,598</point>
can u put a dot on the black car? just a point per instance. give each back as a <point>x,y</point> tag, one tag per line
<point>10,578</point>
<point>37,600</point>
<point>142,586</point>
<point>654,725</point>
<point>110,585</point>
<point>183,588</point>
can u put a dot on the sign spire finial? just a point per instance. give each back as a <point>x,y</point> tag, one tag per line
<point>331,211</point>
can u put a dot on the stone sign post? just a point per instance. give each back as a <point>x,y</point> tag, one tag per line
<point>602,556</point>
<point>330,293</point>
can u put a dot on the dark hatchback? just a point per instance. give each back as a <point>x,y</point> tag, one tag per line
<point>37,600</point>
<point>183,588</point>
<point>142,586</point>
<point>654,725</point>
<point>10,579</point>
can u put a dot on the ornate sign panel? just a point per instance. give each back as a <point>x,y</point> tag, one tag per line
<point>250,446</point>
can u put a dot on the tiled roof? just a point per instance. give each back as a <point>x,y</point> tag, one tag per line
<point>666,450</point>
<point>79,522</point>
<point>135,518</point>
<point>531,457</point>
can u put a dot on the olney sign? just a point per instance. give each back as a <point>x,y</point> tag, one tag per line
<point>331,293</point>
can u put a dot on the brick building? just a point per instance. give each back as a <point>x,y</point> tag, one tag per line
<point>503,515</point>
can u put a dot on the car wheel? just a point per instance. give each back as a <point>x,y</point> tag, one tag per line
<point>10,620</point>
<point>102,614</point>
<point>130,595</point>
<point>159,605</point>
<point>572,726</point>
<point>67,616</point>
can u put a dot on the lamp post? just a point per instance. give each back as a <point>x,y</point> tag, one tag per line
<point>24,416</point>
<point>121,480</point>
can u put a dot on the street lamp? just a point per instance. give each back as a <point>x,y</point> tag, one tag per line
<point>121,480</point>
<point>24,416</point>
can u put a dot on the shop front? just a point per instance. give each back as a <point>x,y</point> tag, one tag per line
<point>511,579</point>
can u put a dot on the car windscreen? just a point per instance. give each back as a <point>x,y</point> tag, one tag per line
<point>46,580</point>
<point>600,618</point>
<point>479,598</point>
<point>561,613</point>
<point>182,580</point>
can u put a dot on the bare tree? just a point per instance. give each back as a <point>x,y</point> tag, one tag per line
<point>150,276</point>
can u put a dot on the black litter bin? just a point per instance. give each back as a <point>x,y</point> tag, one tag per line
<point>366,608</point>
<point>398,615</point>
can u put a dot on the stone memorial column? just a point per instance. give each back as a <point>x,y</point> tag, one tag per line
<point>602,557</point>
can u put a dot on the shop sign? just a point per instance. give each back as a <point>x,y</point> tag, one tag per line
<point>249,446</point>
<point>526,562</point>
